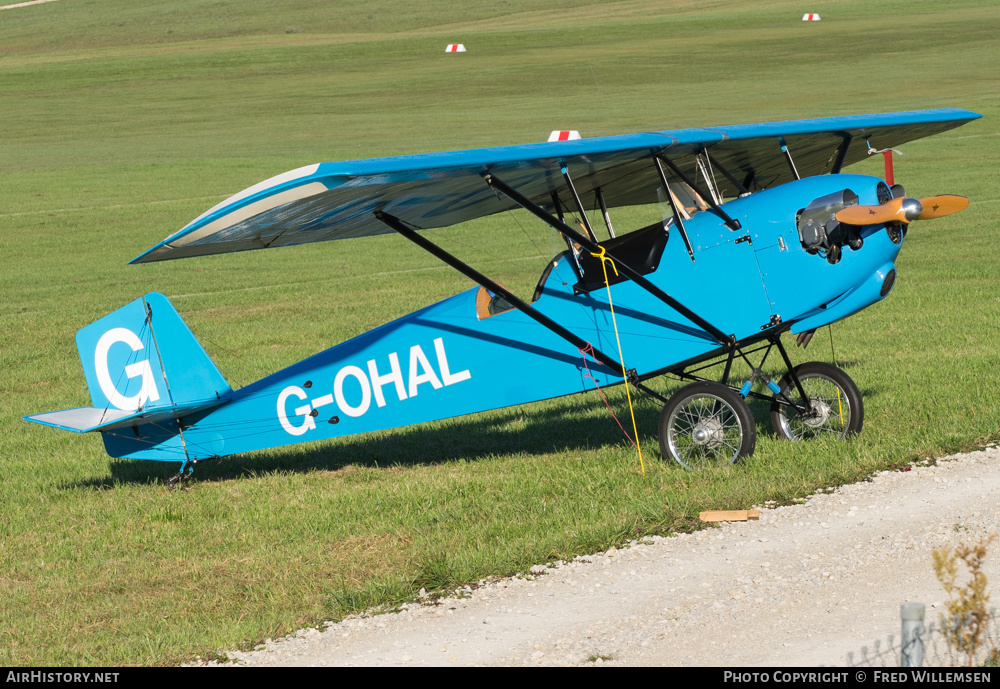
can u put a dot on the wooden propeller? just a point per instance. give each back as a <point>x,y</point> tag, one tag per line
<point>903,210</point>
<point>890,211</point>
<point>940,206</point>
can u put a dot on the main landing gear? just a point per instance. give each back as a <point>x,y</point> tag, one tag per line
<point>708,423</point>
<point>835,406</point>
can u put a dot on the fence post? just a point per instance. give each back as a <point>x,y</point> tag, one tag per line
<point>912,650</point>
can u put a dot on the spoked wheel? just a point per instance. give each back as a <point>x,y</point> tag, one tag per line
<point>706,424</point>
<point>835,406</point>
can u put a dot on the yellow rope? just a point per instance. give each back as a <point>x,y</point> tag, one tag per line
<point>604,261</point>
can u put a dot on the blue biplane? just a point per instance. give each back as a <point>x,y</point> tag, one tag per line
<point>765,235</point>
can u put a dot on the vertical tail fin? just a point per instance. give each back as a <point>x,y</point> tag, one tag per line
<point>145,371</point>
<point>144,358</point>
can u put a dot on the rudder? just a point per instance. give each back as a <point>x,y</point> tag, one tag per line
<point>144,357</point>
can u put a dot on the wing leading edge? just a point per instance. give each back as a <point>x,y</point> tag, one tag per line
<point>337,200</point>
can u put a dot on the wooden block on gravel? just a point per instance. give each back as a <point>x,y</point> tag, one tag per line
<point>729,515</point>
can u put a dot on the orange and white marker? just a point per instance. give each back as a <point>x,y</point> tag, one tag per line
<point>455,48</point>
<point>564,135</point>
<point>810,17</point>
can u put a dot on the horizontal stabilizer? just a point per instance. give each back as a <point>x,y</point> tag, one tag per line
<point>87,419</point>
<point>81,419</point>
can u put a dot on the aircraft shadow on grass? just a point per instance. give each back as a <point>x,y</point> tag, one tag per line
<point>516,431</point>
<point>512,432</point>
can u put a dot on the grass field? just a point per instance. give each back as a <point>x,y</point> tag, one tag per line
<point>122,122</point>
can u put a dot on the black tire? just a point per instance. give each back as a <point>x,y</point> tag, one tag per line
<point>836,403</point>
<point>706,424</point>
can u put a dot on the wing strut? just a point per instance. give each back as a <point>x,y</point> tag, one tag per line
<point>729,175</point>
<point>604,211</point>
<point>731,223</point>
<point>579,203</point>
<point>841,154</point>
<point>788,157</point>
<point>573,253</point>
<point>623,268</point>
<point>522,306</point>
<point>678,218</point>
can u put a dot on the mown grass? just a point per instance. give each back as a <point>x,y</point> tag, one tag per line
<point>122,123</point>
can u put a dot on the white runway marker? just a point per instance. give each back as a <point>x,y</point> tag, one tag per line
<point>24,4</point>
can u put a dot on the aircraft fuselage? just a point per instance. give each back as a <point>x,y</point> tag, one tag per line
<point>448,360</point>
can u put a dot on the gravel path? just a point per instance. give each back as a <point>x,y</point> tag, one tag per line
<point>805,585</point>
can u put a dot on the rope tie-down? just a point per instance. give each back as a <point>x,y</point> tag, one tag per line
<point>602,255</point>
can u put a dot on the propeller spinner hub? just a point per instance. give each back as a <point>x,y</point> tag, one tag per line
<point>911,209</point>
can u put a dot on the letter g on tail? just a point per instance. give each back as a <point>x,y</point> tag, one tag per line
<point>147,392</point>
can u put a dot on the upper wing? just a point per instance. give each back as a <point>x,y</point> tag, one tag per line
<point>337,200</point>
